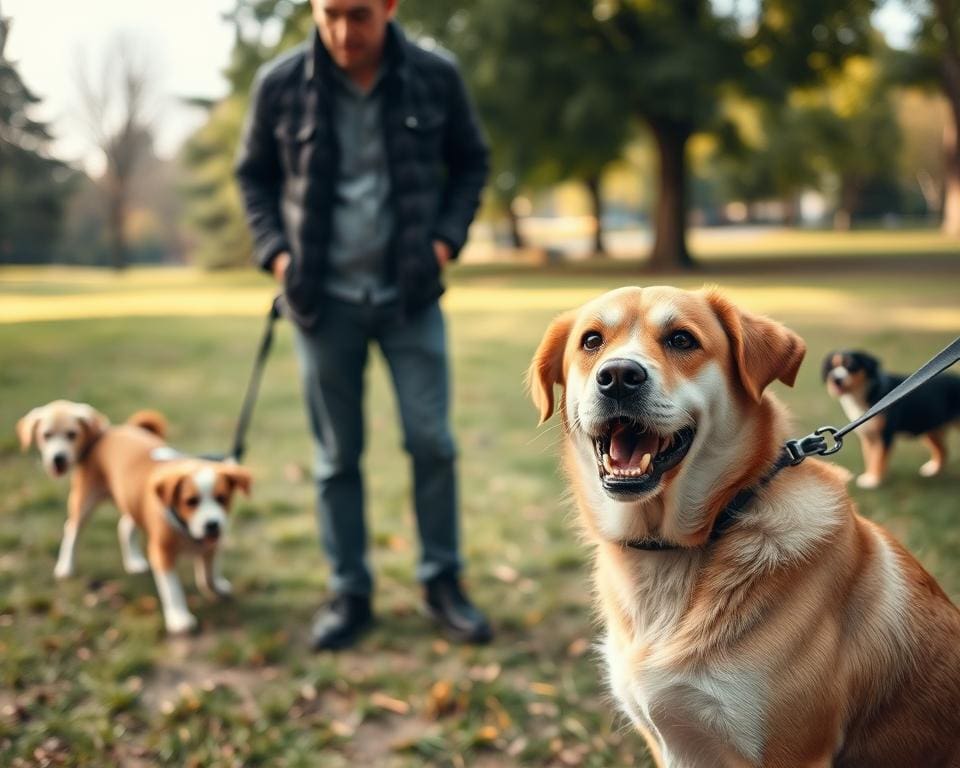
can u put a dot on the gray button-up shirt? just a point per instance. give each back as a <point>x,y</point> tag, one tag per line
<point>363,217</point>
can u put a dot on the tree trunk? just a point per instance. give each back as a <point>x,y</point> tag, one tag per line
<point>515,236</point>
<point>670,243</point>
<point>116,222</point>
<point>596,203</point>
<point>849,199</point>
<point>950,71</point>
<point>951,181</point>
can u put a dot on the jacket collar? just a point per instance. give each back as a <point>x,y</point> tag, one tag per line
<point>319,63</point>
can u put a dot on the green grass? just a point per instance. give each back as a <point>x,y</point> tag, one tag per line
<point>86,676</point>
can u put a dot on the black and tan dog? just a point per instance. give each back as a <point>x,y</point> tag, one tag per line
<point>858,381</point>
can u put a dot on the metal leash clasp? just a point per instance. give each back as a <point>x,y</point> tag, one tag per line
<point>814,444</point>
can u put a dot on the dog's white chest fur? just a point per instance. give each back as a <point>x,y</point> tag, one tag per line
<point>852,407</point>
<point>696,716</point>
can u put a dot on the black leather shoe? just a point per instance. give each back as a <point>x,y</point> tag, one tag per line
<point>341,622</point>
<point>448,604</point>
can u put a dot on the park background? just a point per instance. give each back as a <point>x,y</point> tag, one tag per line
<point>802,155</point>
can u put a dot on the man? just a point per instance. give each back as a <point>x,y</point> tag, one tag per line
<point>361,167</point>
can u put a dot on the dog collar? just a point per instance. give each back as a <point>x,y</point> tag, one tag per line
<point>179,524</point>
<point>728,515</point>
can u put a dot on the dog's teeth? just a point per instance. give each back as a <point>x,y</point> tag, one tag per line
<point>645,462</point>
<point>606,463</point>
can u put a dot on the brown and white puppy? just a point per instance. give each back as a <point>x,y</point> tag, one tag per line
<point>793,633</point>
<point>857,379</point>
<point>180,504</point>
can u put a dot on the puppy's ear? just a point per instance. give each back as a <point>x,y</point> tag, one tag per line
<point>546,368</point>
<point>93,421</point>
<point>166,484</point>
<point>763,349</point>
<point>27,427</point>
<point>239,477</point>
<point>870,364</point>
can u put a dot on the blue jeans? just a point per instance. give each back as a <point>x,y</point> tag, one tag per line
<point>332,358</point>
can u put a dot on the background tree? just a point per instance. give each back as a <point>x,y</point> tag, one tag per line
<point>34,187</point>
<point>838,137</point>
<point>934,62</point>
<point>116,111</point>
<point>669,65</point>
<point>213,209</point>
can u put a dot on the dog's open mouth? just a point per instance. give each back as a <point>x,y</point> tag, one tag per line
<point>632,457</point>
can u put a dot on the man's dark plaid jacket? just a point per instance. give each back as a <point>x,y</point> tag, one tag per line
<point>288,160</point>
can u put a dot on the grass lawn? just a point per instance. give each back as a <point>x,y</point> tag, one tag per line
<point>86,676</point>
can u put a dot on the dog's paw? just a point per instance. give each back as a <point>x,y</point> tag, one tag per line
<point>181,623</point>
<point>866,480</point>
<point>136,565</point>
<point>930,469</point>
<point>222,587</point>
<point>63,570</point>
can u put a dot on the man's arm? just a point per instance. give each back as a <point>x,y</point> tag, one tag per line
<point>467,164</point>
<point>259,175</point>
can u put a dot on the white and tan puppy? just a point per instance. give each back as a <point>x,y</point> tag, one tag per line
<point>789,632</point>
<point>180,504</point>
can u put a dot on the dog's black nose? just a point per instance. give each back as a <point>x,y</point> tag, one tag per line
<point>619,378</point>
<point>60,462</point>
<point>211,529</point>
<point>837,378</point>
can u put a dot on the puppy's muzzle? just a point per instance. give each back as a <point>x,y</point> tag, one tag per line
<point>60,463</point>
<point>211,530</point>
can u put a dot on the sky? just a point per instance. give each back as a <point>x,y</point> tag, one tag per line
<point>187,43</point>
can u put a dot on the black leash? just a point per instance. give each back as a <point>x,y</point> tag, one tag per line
<point>815,444</point>
<point>253,387</point>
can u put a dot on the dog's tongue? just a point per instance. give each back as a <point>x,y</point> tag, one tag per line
<point>627,447</point>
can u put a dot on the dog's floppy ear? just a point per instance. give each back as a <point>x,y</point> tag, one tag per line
<point>165,484</point>
<point>546,368</point>
<point>239,477</point>
<point>763,349</point>
<point>27,427</point>
<point>868,362</point>
<point>94,421</point>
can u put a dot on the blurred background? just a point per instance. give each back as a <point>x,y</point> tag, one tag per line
<point>802,154</point>
<point>619,129</point>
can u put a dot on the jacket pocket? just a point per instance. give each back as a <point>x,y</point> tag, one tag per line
<point>426,129</point>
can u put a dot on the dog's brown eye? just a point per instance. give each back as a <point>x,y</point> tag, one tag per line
<point>71,436</point>
<point>221,499</point>
<point>591,340</point>
<point>681,340</point>
<point>47,435</point>
<point>193,501</point>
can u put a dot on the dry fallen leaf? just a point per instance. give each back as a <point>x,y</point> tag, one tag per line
<point>506,573</point>
<point>389,703</point>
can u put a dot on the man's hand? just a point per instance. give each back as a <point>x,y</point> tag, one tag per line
<point>443,252</point>
<point>279,265</point>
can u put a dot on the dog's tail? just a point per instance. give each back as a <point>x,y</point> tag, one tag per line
<point>152,421</point>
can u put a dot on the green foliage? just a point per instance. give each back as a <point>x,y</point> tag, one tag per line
<point>214,211</point>
<point>33,186</point>
<point>839,135</point>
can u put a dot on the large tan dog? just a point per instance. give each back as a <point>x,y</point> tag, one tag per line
<point>180,504</point>
<point>788,631</point>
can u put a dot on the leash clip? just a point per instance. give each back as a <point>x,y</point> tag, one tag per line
<point>814,444</point>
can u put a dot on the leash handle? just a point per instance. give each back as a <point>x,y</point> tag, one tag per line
<point>253,387</point>
<point>816,443</point>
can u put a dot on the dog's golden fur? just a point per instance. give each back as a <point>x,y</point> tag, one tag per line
<point>804,634</point>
